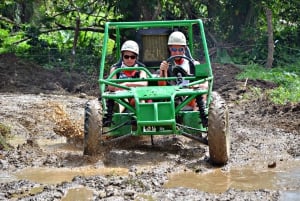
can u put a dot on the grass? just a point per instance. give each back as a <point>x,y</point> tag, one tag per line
<point>5,132</point>
<point>287,78</point>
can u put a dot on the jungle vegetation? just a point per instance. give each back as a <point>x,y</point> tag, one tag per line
<point>67,34</point>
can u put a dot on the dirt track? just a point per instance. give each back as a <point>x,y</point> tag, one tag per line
<point>265,138</point>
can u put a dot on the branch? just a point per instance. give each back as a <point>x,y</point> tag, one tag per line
<point>93,29</point>
<point>7,20</point>
<point>213,38</point>
<point>98,30</point>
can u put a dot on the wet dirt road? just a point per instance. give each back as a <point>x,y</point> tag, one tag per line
<point>44,165</point>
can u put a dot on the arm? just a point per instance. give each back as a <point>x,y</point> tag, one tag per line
<point>163,72</point>
<point>109,87</point>
<point>128,84</point>
<point>137,84</point>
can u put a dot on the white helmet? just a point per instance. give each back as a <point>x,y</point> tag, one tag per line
<point>177,38</point>
<point>131,46</point>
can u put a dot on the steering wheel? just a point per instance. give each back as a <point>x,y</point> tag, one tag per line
<point>178,69</point>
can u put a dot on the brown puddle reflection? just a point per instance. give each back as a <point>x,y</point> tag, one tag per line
<point>60,143</point>
<point>284,176</point>
<point>58,175</point>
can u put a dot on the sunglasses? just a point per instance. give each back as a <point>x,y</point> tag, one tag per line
<point>129,56</point>
<point>173,49</point>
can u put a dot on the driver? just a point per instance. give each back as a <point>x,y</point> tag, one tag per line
<point>177,47</point>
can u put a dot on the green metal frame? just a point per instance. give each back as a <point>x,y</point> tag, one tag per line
<point>158,116</point>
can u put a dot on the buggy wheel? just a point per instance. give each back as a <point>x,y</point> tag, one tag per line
<point>92,127</point>
<point>218,130</point>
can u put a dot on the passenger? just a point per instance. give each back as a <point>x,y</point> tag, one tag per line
<point>129,58</point>
<point>129,53</point>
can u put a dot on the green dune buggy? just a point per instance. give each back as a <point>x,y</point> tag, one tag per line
<point>158,110</point>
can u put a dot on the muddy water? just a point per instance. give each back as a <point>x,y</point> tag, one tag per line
<point>43,143</point>
<point>285,176</point>
<point>59,175</point>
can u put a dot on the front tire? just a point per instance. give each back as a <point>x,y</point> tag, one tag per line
<point>92,127</point>
<point>218,130</point>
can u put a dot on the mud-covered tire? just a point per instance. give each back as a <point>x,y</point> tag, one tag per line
<point>92,127</point>
<point>218,130</point>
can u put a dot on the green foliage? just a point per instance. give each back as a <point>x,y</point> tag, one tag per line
<point>248,41</point>
<point>54,50</point>
<point>286,52</point>
<point>10,43</point>
<point>4,34</point>
<point>256,91</point>
<point>283,95</point>
<point>44,31</point>
<point>51,29</point>
<point>287,79</point>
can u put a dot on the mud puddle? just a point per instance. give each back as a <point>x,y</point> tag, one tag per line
<point>49,144</point>
<point>59,175</point>
<point>46,144</point>
<point>285,176</point>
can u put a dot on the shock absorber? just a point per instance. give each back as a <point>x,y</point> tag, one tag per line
<point>108,115</point>
<point>201,106</point>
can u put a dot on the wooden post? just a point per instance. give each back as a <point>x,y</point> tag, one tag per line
<point>270,58</point>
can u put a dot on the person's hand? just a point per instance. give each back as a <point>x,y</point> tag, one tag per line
<point>164,68</point>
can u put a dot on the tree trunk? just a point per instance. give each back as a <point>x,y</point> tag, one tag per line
<point>76,35</point>
<point>270,58</point>
<point>212,8</point>
<point>149,10</point>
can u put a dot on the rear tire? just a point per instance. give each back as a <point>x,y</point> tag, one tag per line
<point>92,127</point>
<point>218,130</point>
